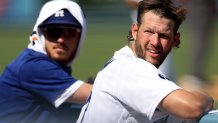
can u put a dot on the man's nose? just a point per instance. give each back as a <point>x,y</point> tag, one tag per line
<point>155,39</point>
<point>61,39</point>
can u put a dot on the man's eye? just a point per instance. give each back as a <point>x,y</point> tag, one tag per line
<point>164,36</point>
<point>148,32</point>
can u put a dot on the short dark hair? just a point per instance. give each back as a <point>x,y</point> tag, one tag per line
<point>165,8</point>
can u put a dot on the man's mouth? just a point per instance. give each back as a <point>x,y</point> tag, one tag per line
<point>154,51</point>
<point>60,47</point>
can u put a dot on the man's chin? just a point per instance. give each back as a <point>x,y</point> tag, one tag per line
<point>60,59</point>
<point>155,63</point>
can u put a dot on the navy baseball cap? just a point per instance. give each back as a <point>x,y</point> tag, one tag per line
<point>61,18</point>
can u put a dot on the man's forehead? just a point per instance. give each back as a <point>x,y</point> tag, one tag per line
<point>155,21</point>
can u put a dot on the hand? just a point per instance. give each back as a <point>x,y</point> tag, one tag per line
<point>91,80</point>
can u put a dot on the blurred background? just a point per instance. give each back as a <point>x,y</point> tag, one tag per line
<point>107,28</point>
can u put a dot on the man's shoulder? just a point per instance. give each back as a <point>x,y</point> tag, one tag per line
<point>29,53</point>
<point>31,60</point>
<point>29,56</point>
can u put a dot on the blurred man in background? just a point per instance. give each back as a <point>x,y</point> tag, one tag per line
<point>37,87</point>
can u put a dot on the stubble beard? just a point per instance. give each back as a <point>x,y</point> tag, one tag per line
<point>60,58</point>
<point>140,54</point>
<point>139,50</point>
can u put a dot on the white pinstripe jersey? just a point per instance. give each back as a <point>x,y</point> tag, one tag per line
<point>127,90</point>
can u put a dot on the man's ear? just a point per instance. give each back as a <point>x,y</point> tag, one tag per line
<point>134,31</point>
<point>176,42</point>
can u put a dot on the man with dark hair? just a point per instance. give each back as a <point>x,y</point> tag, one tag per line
<point>130,88</point>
